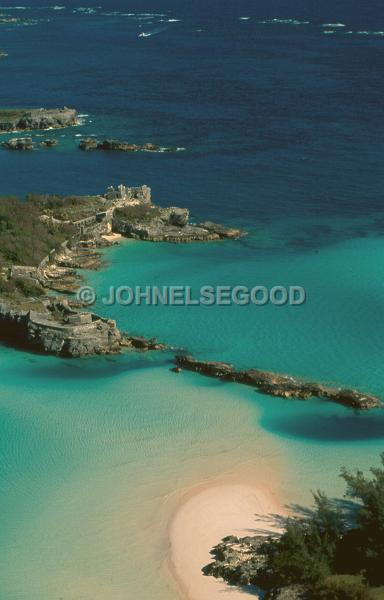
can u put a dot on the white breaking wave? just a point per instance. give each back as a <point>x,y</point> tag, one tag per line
<point>279,21</point>
<point>85,10</point>
<point>32,7</point>
<point>333,25</point>
<point>376,33</point>
<point>173,20</point>
<point>244,18</point>
<point>112,14</point>
<point>135,16</point>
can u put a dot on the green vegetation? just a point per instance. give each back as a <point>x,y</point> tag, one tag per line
<point>19,287</point>
<point>335,552</point>
<point>24,238</point>
<point>137,213</point>
<point>68,208</point>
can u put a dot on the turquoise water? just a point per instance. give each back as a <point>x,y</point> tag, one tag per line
<point>96,452</point>
<point>93,455</point>
<point>335,336</point>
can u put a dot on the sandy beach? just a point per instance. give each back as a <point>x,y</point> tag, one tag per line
<point>203,519</point>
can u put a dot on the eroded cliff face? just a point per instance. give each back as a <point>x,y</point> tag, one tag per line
<point>59,330</point>
<point>37,118</point>
<point>170,224</point>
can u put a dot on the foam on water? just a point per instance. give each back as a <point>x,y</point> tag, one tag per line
<point>281,21</point>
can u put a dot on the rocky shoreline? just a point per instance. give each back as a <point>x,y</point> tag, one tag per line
<point>275,384</point>
<point>37,118</point>
<point>57,325</point>
<point>170,224</point>
<point>54,326</point>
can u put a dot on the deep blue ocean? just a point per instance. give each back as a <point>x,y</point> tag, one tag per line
<point>278,119</point>
<point>278,110</point>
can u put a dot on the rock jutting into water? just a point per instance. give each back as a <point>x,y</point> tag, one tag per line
<point>53,327</point>
<point>24,143</point>
<point>121,146</point>
<point>49,143</point>
<point>171,224</point>
<point>37,118</point>
<point>275,384</point>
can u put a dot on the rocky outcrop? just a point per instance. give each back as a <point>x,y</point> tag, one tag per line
<point>37,118</point>
<point>242,562</point>
<point>49,143</point>
<point>169,224</point>
<point>284,386</point>
<point>54,328</point>
<point>88,144</point>
<point>142,343</point>
<point>24,143</point>
<point>237,560</point>
<point>120,146</point>
<point>220,230</point>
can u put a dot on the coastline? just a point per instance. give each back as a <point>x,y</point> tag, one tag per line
<point>206,514</point>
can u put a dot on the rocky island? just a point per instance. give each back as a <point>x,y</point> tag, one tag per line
<point>37,118</point>
<point>26,143</point>
<point>120,146</point>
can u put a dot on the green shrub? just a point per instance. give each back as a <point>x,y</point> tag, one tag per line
<point>137,213</point>
<point>334,554</point>
<point>342,587</point>
<point>24,238</point>
<point>28,288</point>
<point>72,208</point>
